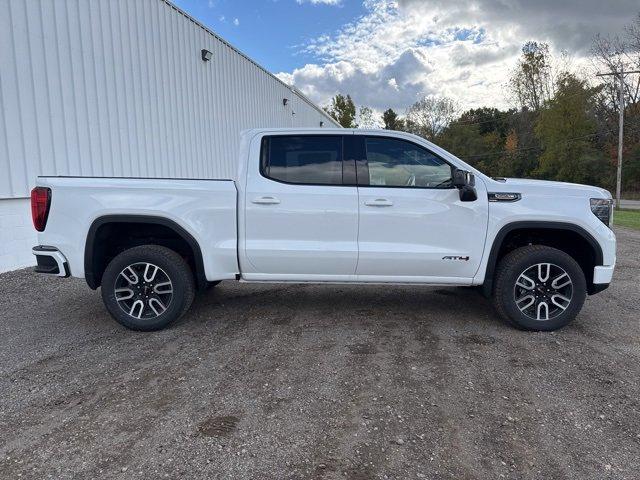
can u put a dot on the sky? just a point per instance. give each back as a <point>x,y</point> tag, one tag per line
<point>389,53</point>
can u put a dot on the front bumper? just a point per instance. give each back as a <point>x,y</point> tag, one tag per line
<point>51,261</point>
<point>603,274</point>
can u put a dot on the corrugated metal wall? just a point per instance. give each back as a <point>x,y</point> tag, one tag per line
<point>118,88</point>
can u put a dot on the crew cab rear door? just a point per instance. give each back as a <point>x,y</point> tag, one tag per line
<point>413,226</point>
<point>301,210</point>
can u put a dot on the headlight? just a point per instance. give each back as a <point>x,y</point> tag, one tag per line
<point>602,208</point>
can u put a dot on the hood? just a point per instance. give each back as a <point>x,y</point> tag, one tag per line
<point>547,188</point>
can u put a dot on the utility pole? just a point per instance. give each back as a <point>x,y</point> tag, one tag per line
<point>620,77</point>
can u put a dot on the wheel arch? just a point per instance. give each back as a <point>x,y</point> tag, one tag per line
<point>545,228</point>
<point>94,265</point>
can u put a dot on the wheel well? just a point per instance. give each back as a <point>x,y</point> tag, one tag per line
<point>571,239</point>
<point>109,236</point>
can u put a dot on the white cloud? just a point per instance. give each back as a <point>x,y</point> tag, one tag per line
<point>397,84</point>
<point>320,2</point>
<point>236,22</point>
<point>571,24</point>
<point>399,51</point>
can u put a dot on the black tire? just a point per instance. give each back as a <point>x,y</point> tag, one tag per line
<point>516,263</point>
<point>171,265</point>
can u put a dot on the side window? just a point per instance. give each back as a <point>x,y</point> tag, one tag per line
<point>303,159</point>
<point>398,163</point>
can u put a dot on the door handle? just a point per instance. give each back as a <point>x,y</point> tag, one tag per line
<point>266,201</point>
<point>379,202</point>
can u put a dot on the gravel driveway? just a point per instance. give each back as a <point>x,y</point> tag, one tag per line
<point>324,382</point>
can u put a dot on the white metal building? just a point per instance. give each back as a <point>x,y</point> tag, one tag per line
<point>122,88</point>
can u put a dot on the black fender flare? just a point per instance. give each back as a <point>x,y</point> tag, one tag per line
<point>90,274</point>
<point>487,285</point>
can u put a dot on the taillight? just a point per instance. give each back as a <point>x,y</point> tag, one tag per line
<point>40,203</point>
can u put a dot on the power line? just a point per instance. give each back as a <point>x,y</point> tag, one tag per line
<point>620,77</point>
<point>525,149</point>
<point>500,115</point>
<point>512,112</point>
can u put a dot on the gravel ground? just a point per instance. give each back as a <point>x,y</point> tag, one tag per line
<point>323,382</point>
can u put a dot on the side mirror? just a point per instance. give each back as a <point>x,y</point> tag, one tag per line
<point>465,182</point>
<point>463,178</point>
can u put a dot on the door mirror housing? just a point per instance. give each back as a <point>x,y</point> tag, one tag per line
<point>463,178</point>
<point>465,182</point>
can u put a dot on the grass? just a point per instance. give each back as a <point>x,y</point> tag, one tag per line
<point>627,218</point>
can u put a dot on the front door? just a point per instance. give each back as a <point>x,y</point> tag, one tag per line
<point>301,221</point>
<point>413,225</point>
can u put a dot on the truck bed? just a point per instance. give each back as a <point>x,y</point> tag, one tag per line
<point>205,209</point>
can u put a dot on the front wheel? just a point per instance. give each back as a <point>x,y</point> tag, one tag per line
<point>147,287</point>
<point>539,288</point>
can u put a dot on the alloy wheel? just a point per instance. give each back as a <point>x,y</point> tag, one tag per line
<point>543,291</point>
<point>143,290</point>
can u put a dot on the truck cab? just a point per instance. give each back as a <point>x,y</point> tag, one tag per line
<point>334,206</point>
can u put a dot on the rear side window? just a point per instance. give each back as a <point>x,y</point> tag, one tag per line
<point>398,163</point>
<point>303,159</point>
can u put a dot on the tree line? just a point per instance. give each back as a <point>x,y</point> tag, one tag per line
<point>563,125</point>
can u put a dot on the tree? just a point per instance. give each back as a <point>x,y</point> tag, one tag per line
<point>392,121</point>
<point>429,116</point>
<point>631,177</point>
<point>342,110</point>
<point>531,82</point>
<point>367,118</point>
<point>523,158</point>
<point>567,131</point>
<point>507,163</point>
<point>488,119</point>
<point>615,54</point>
<point>464,141</point>
<point>612,54</point>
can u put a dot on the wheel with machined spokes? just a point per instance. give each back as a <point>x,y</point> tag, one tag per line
<point>147,287</point>
<point>543,291</point>
<point>143,290</point>
<point>539,288</point>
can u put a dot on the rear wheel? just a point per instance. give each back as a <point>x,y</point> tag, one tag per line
<point>539,288</point>
<point>147,287</point>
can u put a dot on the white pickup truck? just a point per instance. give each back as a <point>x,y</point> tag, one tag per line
<point>329,206</point>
